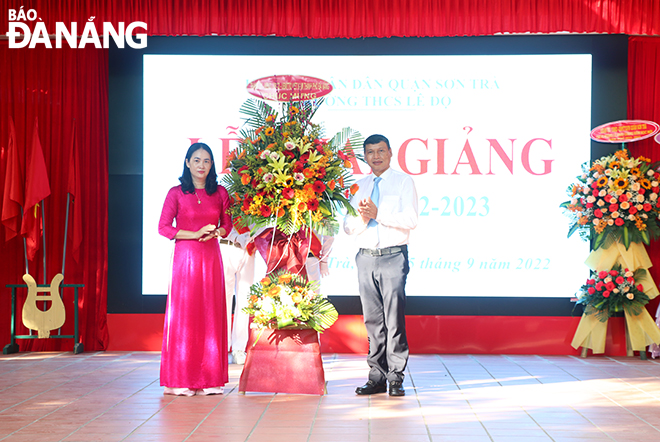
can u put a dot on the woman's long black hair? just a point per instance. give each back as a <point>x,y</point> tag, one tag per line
<point>186,178</point>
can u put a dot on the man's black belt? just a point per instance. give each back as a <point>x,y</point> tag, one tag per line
<point>384,251</point>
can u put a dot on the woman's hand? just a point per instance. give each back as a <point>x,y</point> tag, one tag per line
<point>205,231</point>
<point>216,233</point>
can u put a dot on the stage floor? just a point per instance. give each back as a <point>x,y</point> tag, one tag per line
<point>113,396</point>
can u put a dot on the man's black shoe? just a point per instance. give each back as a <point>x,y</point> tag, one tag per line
<point>371,387</point>
<point>396,389</point>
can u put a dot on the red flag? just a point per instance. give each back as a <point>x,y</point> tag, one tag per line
<point>36,189</point>
<point>73,187</point>
<point>12,198</point>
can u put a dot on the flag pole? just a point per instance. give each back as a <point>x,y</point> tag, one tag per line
<point>66,230</point>
<point>43,236</point>
<point>27,268</point>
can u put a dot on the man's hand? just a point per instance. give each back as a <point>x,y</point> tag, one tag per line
<point>367,210</point>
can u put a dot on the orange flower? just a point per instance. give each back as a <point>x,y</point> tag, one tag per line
<point>354,189</point>
<point>265,282</point>
<point>302,207</point>
<point>284,279</point>
<point>308,173</point>
<point>254,298</point>
<point>245,179</point>
<point>341,181</point>
<point>285,134</point>
<point>293,110</point>
<point>280,213</point>
<point>269,131</point>
<point>270,118</point>
<point>270,146</point>
<point>347,164</point>
<point>621,154</point>
<point>274,291</point>
<point>296,298</point>
<point>332,184</point>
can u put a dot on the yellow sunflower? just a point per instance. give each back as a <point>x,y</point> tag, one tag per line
<point>601,181</point>
<point>634,171</point>
<point>645,183</point>
<point>620,183</point>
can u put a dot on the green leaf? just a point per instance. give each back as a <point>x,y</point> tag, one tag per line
<point>572,230</point>
<point>626,237</point>
<point>599,240</point>
<point>645,237</point>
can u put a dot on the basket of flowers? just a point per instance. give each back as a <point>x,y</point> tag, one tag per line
<point>282,300</point>
<point>608,293</point>
<point>285,174</point>
<point>615,199</point>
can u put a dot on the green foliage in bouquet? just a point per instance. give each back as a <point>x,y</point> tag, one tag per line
<point>283,300</point>
<point>615,291</point>
<point>616,199</point>
<point>285,174</point>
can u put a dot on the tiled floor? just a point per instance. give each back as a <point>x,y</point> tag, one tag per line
<point>457,398</point>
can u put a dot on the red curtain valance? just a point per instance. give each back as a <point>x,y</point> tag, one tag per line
<point>356,18</point>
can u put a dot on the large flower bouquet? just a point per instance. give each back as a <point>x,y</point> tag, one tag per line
<point>615,199</point>
<point>283,300</point>
<point>615,291</point>
<point>285,174</point>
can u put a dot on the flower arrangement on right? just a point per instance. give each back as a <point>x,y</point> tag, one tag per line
<point>615,199</point>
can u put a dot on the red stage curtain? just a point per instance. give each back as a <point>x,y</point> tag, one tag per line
<point>644,104</point>
<point>61,87</point>
<point>356,18</point>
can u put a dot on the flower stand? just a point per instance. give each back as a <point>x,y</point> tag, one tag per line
<point>283,361</point>
<point>641,330</point>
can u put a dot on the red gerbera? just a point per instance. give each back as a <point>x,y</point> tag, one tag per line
<point>313,204</point>
<point>319,187</point>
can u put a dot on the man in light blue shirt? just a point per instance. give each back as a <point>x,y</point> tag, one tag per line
<point>386,202</point>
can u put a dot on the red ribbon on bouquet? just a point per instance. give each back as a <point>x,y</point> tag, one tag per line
<point>282,251</point>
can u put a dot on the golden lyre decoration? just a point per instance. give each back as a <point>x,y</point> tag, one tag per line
<point>40,320</point>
